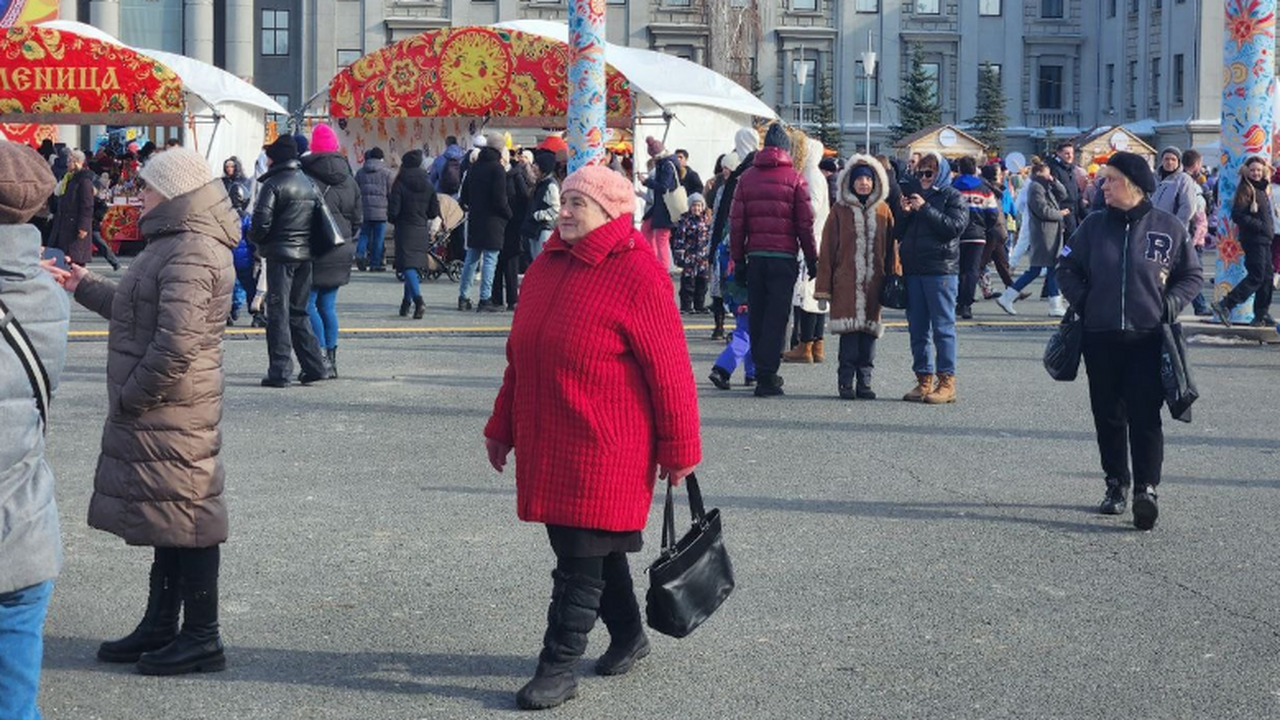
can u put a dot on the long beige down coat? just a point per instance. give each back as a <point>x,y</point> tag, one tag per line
<point>159,479</point>
<point>855,240</point>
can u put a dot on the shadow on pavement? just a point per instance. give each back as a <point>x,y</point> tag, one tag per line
<point>361,671</point>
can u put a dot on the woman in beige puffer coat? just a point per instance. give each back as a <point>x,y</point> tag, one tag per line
<point>160,478</point>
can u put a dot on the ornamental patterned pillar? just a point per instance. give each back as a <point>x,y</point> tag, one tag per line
<point>1247,116</point>
<point>586,126</point>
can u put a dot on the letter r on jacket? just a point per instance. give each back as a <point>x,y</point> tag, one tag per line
<point>1159,247</point>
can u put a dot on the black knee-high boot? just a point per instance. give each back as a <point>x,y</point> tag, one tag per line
<point>159,624</point>
<point>686,294</point>
<point>198,647</point>
<point>621,614</point>
<point>575,602</point>
<point>717,313</point>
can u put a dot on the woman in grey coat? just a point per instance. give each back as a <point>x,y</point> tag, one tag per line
<point>30,547</point>
<point>1044,217</point>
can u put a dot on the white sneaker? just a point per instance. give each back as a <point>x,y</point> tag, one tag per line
<point>1007,299</point>
<point>1057,306</point>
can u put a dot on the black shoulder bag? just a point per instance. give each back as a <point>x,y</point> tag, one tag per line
<point>693,575</point>
<point>30,359</point>
<point>325,233</point>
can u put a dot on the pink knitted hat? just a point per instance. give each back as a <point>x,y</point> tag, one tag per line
<point>324,140</point>
<point>609,189</point>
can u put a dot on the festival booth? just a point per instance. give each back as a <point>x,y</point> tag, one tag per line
<point>948,141</point>
<point>1098,144</point>
<point>461,81</point>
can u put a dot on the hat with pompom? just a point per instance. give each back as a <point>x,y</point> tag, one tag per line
<point>609,189</point>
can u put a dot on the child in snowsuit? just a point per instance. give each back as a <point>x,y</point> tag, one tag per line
<point>691,250</point>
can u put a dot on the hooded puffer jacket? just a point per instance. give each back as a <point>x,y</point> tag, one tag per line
<point>332,175</point>
<point>374,180</point>
<point>160,478</point>
<point>484,197</point>
<point>771,209</point>
<point>411,207</point>
<point>931,235</point>
<point>1176,194</point>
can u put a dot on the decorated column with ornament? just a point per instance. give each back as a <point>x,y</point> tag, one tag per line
<point>587,104</point>
<point>1247,116</point>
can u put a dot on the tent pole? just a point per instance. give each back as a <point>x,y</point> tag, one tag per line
<point>587,104</point>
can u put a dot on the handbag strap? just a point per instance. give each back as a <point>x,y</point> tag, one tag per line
<point>30,359</point>
<point>696,509</point>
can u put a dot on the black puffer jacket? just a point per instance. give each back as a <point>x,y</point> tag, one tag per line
<point>484,197</point>
<point>1256,228</point>
<point>1128,270</point>
<point>411,207</point>
<point>930,236</point>
<point>519,189</point>
<point>283,215</point>
<point>332,175</point>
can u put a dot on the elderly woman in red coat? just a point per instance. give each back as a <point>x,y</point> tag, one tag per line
<point>597,400</point>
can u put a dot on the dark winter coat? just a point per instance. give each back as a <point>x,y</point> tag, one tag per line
<point>538,218</point>
<point>411,207</point>
<point>75,214</point>
<point>1066,174</point>
<point>984,209</point>
<point>771,209</point>
<point>930,237</point>
<point>692,182</point>
<point>332,175</point>
<point>159,479</point>
<point>484,197</point>
<point>661,181</point>
<point>519,190</point>
<point>724,203</point>
<point>284,213</point>
<point>374,180</point>
<point>1256,228</point>
<point>1128,270</point>
<point>239,198</point>
<point>1045,217</point>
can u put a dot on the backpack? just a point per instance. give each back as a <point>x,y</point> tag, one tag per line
<point>450,176</point>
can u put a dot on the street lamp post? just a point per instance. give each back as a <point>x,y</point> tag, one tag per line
<point>869,68</point>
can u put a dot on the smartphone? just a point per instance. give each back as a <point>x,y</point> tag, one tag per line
<point>58,257</point>
<point>910,185</point>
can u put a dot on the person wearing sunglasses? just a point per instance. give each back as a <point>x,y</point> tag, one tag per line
<point>933,216</point>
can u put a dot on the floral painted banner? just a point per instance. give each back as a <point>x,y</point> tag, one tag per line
<point>587,80</point>
<point>47,76</point>
<point>468,72</point>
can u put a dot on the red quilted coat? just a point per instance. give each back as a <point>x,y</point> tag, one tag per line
<point>599,387</point>
<point>771,210</point>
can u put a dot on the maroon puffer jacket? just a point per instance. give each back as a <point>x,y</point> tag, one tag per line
<point>771,210</point>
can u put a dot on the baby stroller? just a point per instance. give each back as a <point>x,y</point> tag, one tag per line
<point>441,257</point>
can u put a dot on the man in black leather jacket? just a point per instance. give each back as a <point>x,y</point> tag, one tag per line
<point>933,216</point>
<point>282,221</point>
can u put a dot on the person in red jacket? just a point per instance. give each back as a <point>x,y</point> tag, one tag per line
<point>770,222</point>
<point>597,400</point>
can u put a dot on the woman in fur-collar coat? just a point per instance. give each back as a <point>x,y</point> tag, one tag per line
<point>857,249</point>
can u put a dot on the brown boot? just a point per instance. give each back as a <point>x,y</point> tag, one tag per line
<point>945,393</point>
<point>802,353</point>
<point>819,355</point>
<point>924,386</point>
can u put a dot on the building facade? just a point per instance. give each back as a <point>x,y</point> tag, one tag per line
<point>1154,66</point>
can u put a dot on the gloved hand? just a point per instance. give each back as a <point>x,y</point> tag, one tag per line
<point>823,305</point>
<point>812,267</point>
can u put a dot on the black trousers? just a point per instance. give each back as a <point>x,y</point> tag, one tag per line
<point>857,359</point>
<point>288,324</point>
<point>970,268</point>
<point>506,280</point>
<point>195,567</point>
<point>104,249</point>
<point>1257,263</point>
<point>1126,395</point>
<point>693,293</point>
<point>998,253</point>
<point>808,326</point>
<point>250,285</point>
<point>771,283</point>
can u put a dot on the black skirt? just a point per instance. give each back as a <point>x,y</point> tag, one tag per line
<point>588,542</point>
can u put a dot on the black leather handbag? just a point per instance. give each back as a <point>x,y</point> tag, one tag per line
<point>1062,352</point>
<point>693,575</point>
<point>893,293</point>
<point>325,233</point>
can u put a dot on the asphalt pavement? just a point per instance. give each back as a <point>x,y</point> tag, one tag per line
<point>893,560</point>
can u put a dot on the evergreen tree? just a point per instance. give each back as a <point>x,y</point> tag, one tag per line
<point>919,106</point>
<point>1050,145</point>
<point>989,120</point>
<point>824,116</point>
<point>757,87</point>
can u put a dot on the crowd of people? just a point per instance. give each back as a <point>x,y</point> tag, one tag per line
<point>598,399</point>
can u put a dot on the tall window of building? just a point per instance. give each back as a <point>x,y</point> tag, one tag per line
<point>1051,8</point>
<point>281,121</point>
<point>1131,88</point>
<point>1049,88</point>
<point>995,69</point>
<point>1179,77</point>
<point>1111,8</point>
<point>990,8</point>
<point>867,6</point>
<point>1133,7</point>
<point>804,5</point>
<point>1155,84</point>
<point>275,32</point>
<point>866,90</point>
<point>807,93</point>
<point>928,7</point>
<point>933,71</point>
<point>1111,87</point>
<point>346,57</point>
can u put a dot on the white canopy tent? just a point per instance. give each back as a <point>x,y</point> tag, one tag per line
<point>682,103</point>
<point>227,113</point>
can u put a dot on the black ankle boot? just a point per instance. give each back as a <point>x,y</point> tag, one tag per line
<point>404,308</point>
<point>864,391</point>
<point>575,602</point>
<point>198,648</point>
<point>717,314</point>
<point>1115,501</point>
<point>159,625</point>
<point>621,614</point>
<point>720,378</point>
<point>332,355</point>
<point>1145,509</point>
<point>419,308</point>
